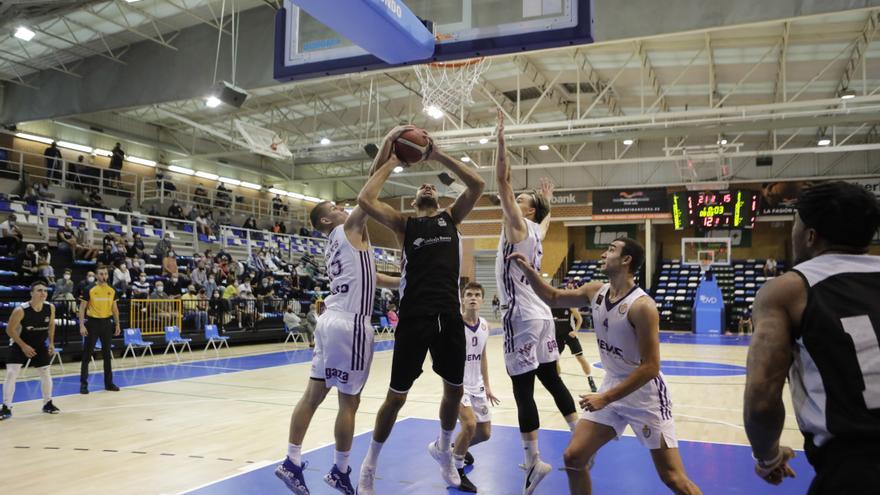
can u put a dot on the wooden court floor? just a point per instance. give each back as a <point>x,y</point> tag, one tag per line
<point>177,426</point>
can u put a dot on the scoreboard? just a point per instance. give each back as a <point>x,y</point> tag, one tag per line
<point>715,209</point>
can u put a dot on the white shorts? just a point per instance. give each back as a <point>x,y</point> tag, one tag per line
<point>480,405</point>
<point>648,411</point>
<point>343,351</point>
<point>528,343</point>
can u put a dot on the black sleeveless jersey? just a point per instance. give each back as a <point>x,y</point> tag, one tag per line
<point>835,376</point>
<point>430,268</point>
<point>35,324</point>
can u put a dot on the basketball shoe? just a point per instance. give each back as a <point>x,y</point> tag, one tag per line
<point>365,480</point>
<point>339,480</point>
<point>447,467</point>
<point>534,474</point>
<point>292,476</point>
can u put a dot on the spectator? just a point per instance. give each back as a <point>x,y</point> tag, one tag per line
<point>84,285</point>
<point>744,322</point>
<point>304,232</point>
<point>203,226</point>
<point>222,197</point>
<point>41,191</point>
<point>154,215</point>
<point>105,259</point>
<point>294,323</point>
<point>279,227</point>
<point>136,250</point>
<point>224,219</point>
<point>175,211</point>
<point>249,314</point>
<point>10,235</point>
<point>175,286</point>
<point>112,175</point>
<point>53,161</point>
<point>62,294</point>
<point>163,247</point>
<point>44,264</point>
<point>169,264</point>
<point>126,207</point>
<point>190,306</point>
<point>76,172</point>
<point>250,223</point>
<point>211,280</point>
<point>202,308</point>
<point>278,205</point>
<point>496,305</point>
<point>167,186</point>
<point>140,288</point>
<point>27,262</point>
<point>770,267</point>
<point>392,316</point>
<point>159,291</point>
<point>200,195</point>
<point>121,279</point>
<point>198,275</point>
<point>215,308</point>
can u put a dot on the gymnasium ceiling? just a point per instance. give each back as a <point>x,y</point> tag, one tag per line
<point>691,102</point>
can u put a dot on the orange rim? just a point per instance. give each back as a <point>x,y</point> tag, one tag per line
<point>458,64</point>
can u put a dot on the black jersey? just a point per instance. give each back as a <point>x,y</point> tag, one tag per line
<point>835,376</point>
<point>35,324</point>
<point>430,268</point>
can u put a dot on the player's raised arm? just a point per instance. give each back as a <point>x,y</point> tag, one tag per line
<point>514,223</point>
<point>546,190</point>
<point>368,199</point>
<point>553,297</point>
<point>474,184</point>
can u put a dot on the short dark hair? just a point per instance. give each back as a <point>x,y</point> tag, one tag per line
<point>542,206</point>
<point>317,213</point>
<point>842,213</point>
<point>633,249</point>
<point>474,286</point>
<point>35,283</point>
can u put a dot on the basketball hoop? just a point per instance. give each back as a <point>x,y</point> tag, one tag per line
<point>447,86</point>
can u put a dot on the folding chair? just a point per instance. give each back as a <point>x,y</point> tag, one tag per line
<point>215,340</point>
<point>296,336</point>
<point>384,326</point>
<point>173,338</point>
<point>133,341</point>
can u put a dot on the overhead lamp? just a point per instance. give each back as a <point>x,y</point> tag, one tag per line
<point>434,112</point>
<point>465,159</point>
<point>847,94</point>
<point>212,102</point>
<point>722,142</point>
<point>34,137</point>
<point>102,152</point>
<point>24,33</point>
<point>275,190</point>
<point>181,170</point>
<point>75,147</point>
<point>296,195</point>
<point>227,180</point>
<point>484,140</point>
<point>398,169</point>
<point>251,185</point>
<point>141,161</point>
<point>313,199</point>
<point>543,147</point>
<point>628,142</point>
<point>325,141</point>
<point>207,175</point>
<point>824,142</point>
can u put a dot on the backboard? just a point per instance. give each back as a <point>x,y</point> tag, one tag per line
<point>305,48</point>
<point>700,250</point>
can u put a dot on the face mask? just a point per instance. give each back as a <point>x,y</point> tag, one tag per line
<point>91,279</point>
<point>66,276</point>
<point>159,288</point>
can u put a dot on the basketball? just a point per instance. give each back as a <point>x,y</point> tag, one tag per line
<point>412,146</point>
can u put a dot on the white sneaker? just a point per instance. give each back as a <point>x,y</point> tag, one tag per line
<point>365,480</point>
<point>534,475</point>
<point>447,467</point>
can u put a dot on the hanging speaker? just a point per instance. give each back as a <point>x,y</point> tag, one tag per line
<point>764,161</point>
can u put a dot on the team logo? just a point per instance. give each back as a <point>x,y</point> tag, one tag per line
<point>441,222</point>
<point>418,242</point>
<point>485,410</point>
<point>646,431</point>
<point>623,308</point>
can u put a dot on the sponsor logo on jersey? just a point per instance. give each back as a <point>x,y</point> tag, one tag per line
<point>474,357</point>
<point>551,345</point>
<point>441,222</point>
<point>646,432</point>
<point>485,410</point>
<point>610,349</point>
<point>421,242</point>
<point>622,309</point>
<point>341,376</point>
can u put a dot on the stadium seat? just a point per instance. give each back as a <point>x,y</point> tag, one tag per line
<point>173,339</point>
<point>133,340</point>
<point>216,340</point>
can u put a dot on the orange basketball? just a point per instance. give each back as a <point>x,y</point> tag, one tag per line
<point>412,146</point>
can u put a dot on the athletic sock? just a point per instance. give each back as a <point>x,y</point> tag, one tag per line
<point>458,460</point>
<point>530,449</point>
<point>294,453</point>
<point>373,453</point>
<point>572,425</point>
<point>342,461</point>
<point>45,384</point>
<point>445,439</point>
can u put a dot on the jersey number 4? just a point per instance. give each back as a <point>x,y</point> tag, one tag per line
<point>865,340</point>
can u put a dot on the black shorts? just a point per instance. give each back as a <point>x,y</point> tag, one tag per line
<point>849,474</point>
<point>563,338</point>
<point>442,335</point>
<point>16,355</point>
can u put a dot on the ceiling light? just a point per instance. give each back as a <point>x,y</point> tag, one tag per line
<point>251,185</point>
<point>24,33</point>
<point>296,195</point>
<point>434,112</point>
<point>34,137</point>
<point>484,140</point>
<point>141,161</point>
<point>181,170</point>
<point>313,199</point>
<point>75,147</point>
<point>465,159</point>
<point>543,147</point>
<point>227,180</point>
<point>722,142</point>
<point>212,102</point>
<point>627,142</point>
<point>275,190</point>
<point>847,94</point>
<point>398,169</point>
<point>207,175</point>
<point>102,152</point>
<point>824,142</point>
<point>325,141</point>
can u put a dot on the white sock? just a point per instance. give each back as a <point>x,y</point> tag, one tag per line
<point>572,425</point>
<point>46,383</point>
<point>373,453</point>
<point>530,448</point>
<point>294,453</point>
<point>342,460</point>
<point>458,460</point>
<point>12,372</point>
<point>445,439</point>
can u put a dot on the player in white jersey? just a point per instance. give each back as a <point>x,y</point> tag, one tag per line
<point>633,391</point>
<point>530,348</point>
<point>343,341</point>
<point>474,415</point>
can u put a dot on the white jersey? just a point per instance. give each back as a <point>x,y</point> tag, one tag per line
<point>517,295</point>
<point>352,275</point>
<point>618,344</point>
<point>476,342</point>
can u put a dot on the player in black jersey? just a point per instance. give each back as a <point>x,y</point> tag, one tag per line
<point>820,325</point>
<point>32,330</point>
<point>430,308</point>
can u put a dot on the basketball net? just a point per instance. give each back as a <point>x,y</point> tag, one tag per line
<point>447,86</point>
<point>705,266</point>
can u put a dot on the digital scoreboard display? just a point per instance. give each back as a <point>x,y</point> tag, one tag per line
<point>715,209</point>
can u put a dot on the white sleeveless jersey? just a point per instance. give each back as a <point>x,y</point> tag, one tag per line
<point>476,341</point>
<point>352,275</point>
<point>516,293</point>
<point>618,344</point>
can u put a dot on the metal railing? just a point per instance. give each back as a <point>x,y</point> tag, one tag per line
<point>153,315</point>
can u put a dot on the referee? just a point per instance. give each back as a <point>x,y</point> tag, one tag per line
<point>98,304</point>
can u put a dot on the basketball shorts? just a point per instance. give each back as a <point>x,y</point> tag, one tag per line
<point>440,334</point>
<point>480,406</point>
<point>528,343</point>
<point>343,351</point>
<point>648,411</point>
<point>16,354</point>
<point>563,339</point>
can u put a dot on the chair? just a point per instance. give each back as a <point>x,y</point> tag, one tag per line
<point>295,336</point>
<point>215,340</point>
<point>384,326</point>
<point>133,341</point>
<point>173,338</point>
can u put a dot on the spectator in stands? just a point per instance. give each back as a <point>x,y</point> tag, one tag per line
<point>53,161</point>
<point>496,306</point>
<point>294,323</point>
<point>199,275</point>
<point>10,235</point>
<point>112,175</point>
<point>126,207</point>
<point>223,218</point>
<point>165,185</point>
<point>215,308</point>
<point>121,279</point>
<point>211,280</point>
<point>392,316</point>
<point>202,307</point>
<point>95,200</point>
<point>105,258</point>
<point>265,292</point>
<point>175,210</point>
<point>77,171</point>
<point>250,223</point>
<point>163,246</point>
<point>303,232</point>
<point>169,264</point>
<point>38,191</point>
<point>200,195</point>
<point>744,322</point>
<point>4,159</point>
<point>278,205</point>
<point>249,313</point>
<point>203,225</point>
<point>27,262</point>
<point>44,264</point>
<point>62,294</point>
<point>136,249</point>
<point>279,227</point>
<point>304,274</point>
<point>84,285</point>
<point>154,215</point>
<point>245,284</point>
<point>770,267</point>
<point>189,304</point>
<point>159,291</point>
<point>140,288</point>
